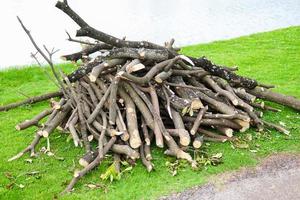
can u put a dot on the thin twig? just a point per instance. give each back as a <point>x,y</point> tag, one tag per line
<point>43,55</point>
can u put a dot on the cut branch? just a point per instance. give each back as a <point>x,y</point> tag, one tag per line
<point>31,100</point>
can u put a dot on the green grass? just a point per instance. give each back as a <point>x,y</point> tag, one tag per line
<point>271,57</point>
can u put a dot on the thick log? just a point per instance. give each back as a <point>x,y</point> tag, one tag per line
<point>277,127</point>
<point>179,126</point>
<point>225,131</point>
<point>156,55</point>
<point>116,148</point>
<point>31,100</point>
<point>83,70</point>
<point>215,122</point>
<point>184,137</point>
<point>198,141</point>
<point>86,30</point>
<point>227,116</point>
<point>228,75</point>
<point>145,161</point>
<point>147,140</point>
<point>157,131</point>
<point>34,121</point>
<point>276,97</point>
<point>197,121</point>
<point>126,150</point>
<point>140,104</point>
<point>213,135</point>
<point>86,51</point>
<point>208,80</point>
<point>134,139</point>
<point>99,106</point>
<point>104,65</point>
<point>241,103</point>
<point>171,98</point>
<point>151,73</point>
<point>73,131</point>
<point>51,125</point>
<point>241,92</point>
<point>162,76</point>
<point>187,93</point>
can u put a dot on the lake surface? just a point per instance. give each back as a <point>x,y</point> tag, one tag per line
<point>188,21</point>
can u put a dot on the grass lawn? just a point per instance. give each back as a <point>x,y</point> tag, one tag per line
<point>271,57</point>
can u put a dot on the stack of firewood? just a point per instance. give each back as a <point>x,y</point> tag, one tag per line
<point>137,95</point>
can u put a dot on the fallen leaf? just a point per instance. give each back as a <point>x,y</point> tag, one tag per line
<point>174,173</point>
<point>49,153</point>
<point>8,175</point>
<point>92,186</point>
<point>242,145</point>
<point>59,158</point>
<point>10,185</point>
<point>217,155</point>
<point>28,160</point>
<point>248,137</point>
<point>282,123</point>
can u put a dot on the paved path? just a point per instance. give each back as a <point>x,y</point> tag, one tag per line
<point>277,178</point>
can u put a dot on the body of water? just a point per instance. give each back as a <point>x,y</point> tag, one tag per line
<point>188,21</point>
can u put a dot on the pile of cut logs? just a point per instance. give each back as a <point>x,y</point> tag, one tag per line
<point>137,95</point>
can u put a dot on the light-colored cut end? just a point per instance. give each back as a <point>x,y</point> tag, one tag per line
<point>134,68</point>
<point>40,133</point>
<point>160,143</point>
<point>244,124</point>
<point>76,173</point>
<point>229,132</point>
<point>183,155</point>
<point>184,141</point>
<point>235,102</point>
<point>125,137</point>
<point>135,155</point>
<point>183,57</point>
<point>149,157</point>
<point>75,143</point>
<point>15,157</point>
<point>158,80</point>
<point>114,133</point>
<point>63,58</point>
<point>193,132</point>
<point>90,138</point>
<point>56,106</point>
<point>196,104</point>
<point>92,78</point>
<point>149,168</point>
<point>83,162</point>
<point>45,134</point>
<point>169,152</point>
<point>286,132</point>
<point>197,144</point>
<point>194,164</point>
<point>18,127</point>
<point>135,143</point>
<point>142,54</point>
<point>147,140</point>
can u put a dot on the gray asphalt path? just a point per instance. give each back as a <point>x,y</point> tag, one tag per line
<point>277,178</point>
